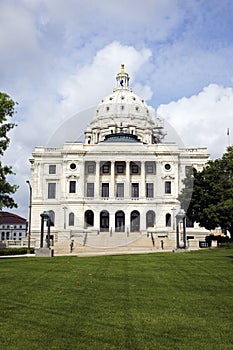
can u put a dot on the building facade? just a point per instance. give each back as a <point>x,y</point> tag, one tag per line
<point>12,227</point>
<point>123,181</point>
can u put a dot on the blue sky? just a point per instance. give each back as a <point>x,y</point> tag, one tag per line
<point>61,57</point>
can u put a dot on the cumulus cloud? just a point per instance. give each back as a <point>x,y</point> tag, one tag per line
<point>86,86</point>
<point>203,119</point>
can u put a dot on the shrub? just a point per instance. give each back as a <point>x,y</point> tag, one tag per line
<point>15,251</point>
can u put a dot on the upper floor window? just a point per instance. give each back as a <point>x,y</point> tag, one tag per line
<point>167,187</point>
<point>150,167</point>
<point>72,186</point>
<point>135,168</point>
<point>52,169</point>
<point>188,170</point>
<point>120,168</point>
<point>105,168</point>
<point>90,167</point>
<point>51,190</point>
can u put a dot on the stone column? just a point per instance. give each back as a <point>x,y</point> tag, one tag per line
<point>97,177</point>
<point>82,181</point>
<point>111,222</point>
<point>143,181</point>
<point>127,184</point>
<point>112,182</point>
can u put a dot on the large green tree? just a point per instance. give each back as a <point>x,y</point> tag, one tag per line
<point>7,110</point>
<point>208,195</point>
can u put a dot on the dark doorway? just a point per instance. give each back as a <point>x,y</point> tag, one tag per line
<point>135,221</point>
<point>104,220</point>
<point>120,221</point>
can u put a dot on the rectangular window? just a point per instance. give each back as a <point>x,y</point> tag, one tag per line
<point>150,167</point>
<point>105,169</point>
<point>105,190</point>
<point>188,170</point>
<point>135,190</point>
<point>90,167</point>
<point>167,187</point>
<point>150,190</point>
<point>52,169</point>
<point>120,190</point>
<point>134,169</point>
<point>72,188</point>
<point>51,190</point>
<point>90,189</point>
<point>120,168</point>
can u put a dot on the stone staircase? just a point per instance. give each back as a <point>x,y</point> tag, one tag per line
<point>117,241</point>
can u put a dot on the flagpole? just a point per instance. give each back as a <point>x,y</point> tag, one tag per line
<point>229,136</point>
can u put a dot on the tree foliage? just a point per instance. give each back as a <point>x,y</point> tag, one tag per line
<point>211,203</point>
<point>7,110</point>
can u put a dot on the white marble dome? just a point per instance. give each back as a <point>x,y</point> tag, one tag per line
<point>123,110</point>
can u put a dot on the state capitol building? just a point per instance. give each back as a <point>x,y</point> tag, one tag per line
<point>118,188</point>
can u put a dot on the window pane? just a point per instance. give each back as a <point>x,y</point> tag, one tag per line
<point>105,190</point>
<point>52,169</point>
<point>72,186</point>
<point>135,190</point>
<point>120,190</point>
<point>51,190</point>
<point>120,169</point>
<point>167,186</point>
<point>168,220</point>
<point>71,219</point>
<point>105,169</point>
<point>134,169</point>
<point>149,190</point>
<point>90,189</point>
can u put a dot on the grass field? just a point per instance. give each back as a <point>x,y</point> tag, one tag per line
<point>155,301</point>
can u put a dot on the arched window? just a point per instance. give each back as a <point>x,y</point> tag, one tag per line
<point>104,220</point>
<point>135,221</point>
<point>52,217</point>
<point>168,220</point>
<point>150,218</point>
<point>71,219</point>
<point>89,218</point>
<point>120,221</point>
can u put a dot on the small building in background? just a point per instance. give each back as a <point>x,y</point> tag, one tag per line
<point>12,227</point>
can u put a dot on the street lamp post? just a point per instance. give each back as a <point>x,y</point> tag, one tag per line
<point>173,218</point>
<point>180,218</point>
<point>30,216</point>
<point>11,228</point>
<point>64,208</point>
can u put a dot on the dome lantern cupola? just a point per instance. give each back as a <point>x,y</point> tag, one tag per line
<point>122,79</point>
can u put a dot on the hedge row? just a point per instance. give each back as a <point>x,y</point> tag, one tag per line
<point>15,251</point>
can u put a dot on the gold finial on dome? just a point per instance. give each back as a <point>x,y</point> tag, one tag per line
<point>122,69</point>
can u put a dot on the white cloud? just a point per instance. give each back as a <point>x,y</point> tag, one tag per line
<point>202,120</point>
<point>92,82</point>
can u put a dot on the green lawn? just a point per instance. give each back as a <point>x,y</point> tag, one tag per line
<point>155,301</point>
